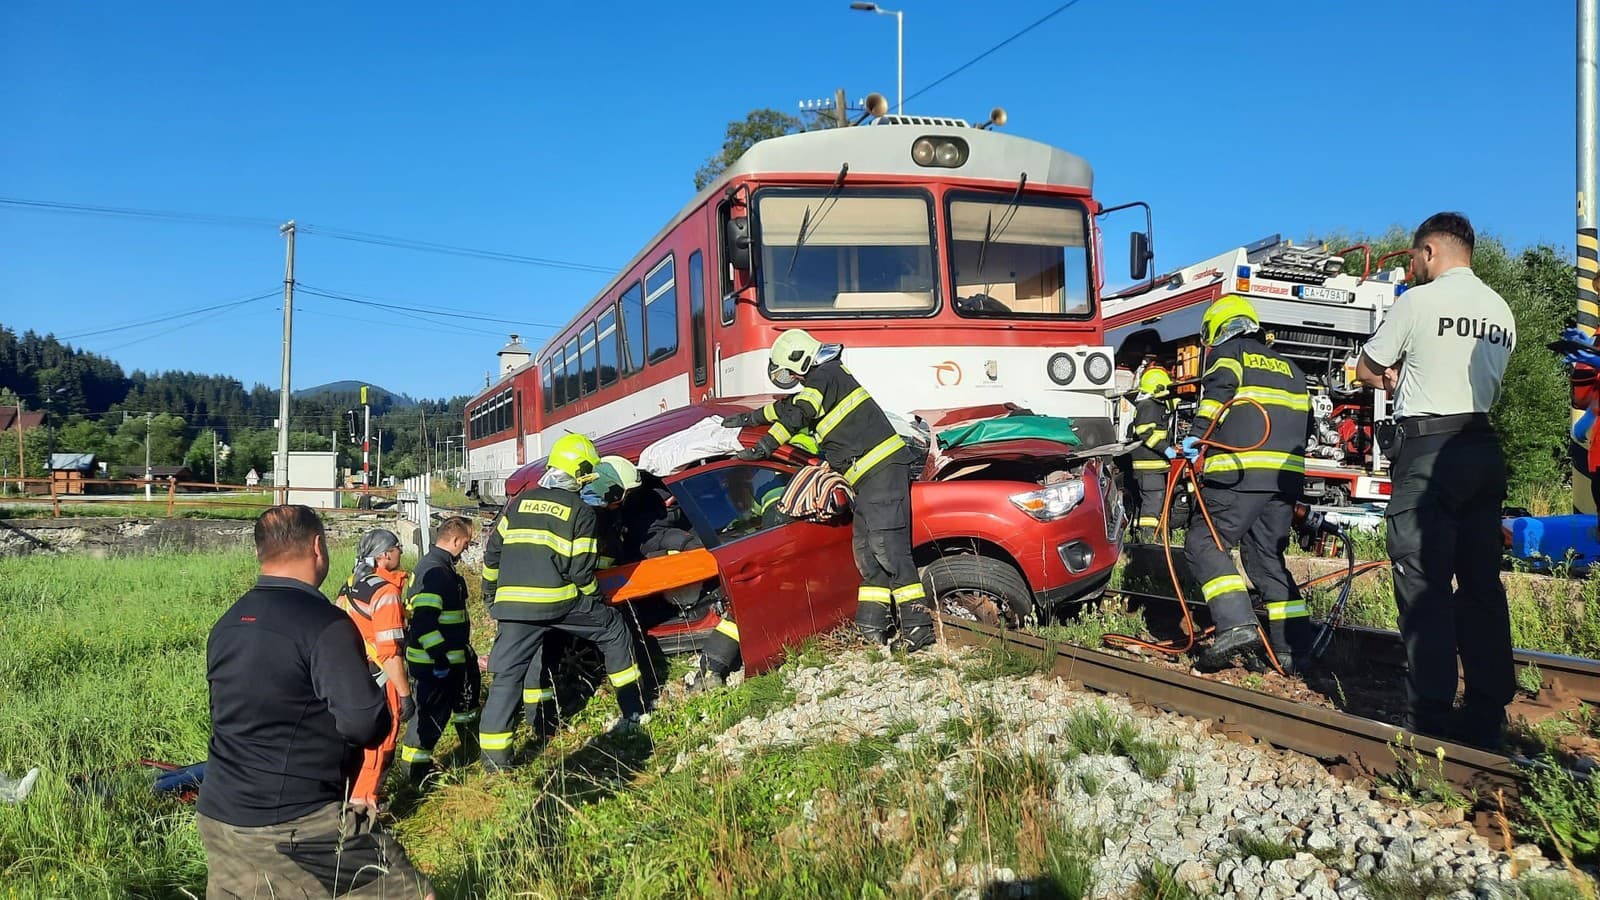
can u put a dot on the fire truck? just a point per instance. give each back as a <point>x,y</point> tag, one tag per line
<point>1314,310</point>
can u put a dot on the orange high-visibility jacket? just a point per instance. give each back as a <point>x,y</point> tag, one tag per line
<point>374,605</point>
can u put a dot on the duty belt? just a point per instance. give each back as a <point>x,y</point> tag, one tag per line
<point>1426,426</point>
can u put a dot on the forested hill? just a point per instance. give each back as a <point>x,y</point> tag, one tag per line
<point>96,407</point>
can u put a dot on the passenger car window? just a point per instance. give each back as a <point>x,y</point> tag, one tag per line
<point>736,500</point>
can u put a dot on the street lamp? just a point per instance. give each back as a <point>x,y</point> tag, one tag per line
<point>900,49</point>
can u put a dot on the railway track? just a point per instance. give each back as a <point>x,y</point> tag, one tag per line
<point>1334,737</point>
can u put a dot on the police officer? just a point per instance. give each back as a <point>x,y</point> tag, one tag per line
<point>1442,351</point>
<point>1249,495</point>
<point>1152,422</point>
<point>538,575</point>
<point>439,652</point>
<point>856,439</point>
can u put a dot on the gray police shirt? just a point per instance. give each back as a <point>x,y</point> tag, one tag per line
<point>1451,339</point>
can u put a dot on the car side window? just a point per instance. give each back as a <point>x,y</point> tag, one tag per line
<point>737,500</point>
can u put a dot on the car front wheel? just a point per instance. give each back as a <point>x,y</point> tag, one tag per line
<point>979,589</point>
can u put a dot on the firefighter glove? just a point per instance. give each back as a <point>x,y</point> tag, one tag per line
<point>751,453</point>
<point>441,671</point>
<point>739,420</point>
<point>408,708</point>
<point>1191,448</point>
<point>1589,357</point>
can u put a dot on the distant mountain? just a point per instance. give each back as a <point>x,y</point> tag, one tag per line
<point>340,389</point>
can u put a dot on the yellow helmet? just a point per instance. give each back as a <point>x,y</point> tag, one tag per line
<point>792,356</point>
<point>1227,308</point>
<point>575,455</point>
<point>1154,381</point>
<point>624,473</point>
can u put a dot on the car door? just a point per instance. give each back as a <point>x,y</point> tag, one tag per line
<point>785,580</point>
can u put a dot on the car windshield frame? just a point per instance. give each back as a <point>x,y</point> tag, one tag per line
<point>827,212</point>
<point>1000,203</point>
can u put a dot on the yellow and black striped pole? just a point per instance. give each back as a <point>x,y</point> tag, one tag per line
<point>1588,237</point>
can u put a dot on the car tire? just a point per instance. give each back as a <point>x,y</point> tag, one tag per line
<point>977,588</point>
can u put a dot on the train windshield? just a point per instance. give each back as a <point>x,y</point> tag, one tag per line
<point>848,253</point>
<point>1023,259</point>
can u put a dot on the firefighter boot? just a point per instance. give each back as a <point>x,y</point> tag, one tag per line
<point>1244,640</point>
<point>916,627</point>
<point>873,614</point>
<point>1289,634</point>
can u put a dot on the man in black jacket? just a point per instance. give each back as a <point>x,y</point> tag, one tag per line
<point>439,652</point>
<point>292,706</point>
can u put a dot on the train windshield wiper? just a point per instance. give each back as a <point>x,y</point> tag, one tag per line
<point>805,220</point>
<point>991,233</point>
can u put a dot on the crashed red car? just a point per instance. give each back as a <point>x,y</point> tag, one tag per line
<point>1002,531</point>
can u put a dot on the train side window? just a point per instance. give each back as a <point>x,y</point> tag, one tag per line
<point>573,380</point>
<point>586,354</point>
<point>661,310</point>
<point>631,308</point>
<point>697,315</point>
<point>559,367</point>
<point>608,346</point>
<point>544,385</point>
<point>725,281</point>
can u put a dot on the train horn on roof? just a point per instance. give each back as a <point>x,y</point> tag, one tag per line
<point>997,118</point>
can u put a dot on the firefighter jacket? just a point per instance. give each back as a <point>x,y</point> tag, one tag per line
<point>651,524</point>
<point>439,634</point>
<point>852,432</point>
<point>373,603</point>
<point>540,557</point>
<point>1152,420</point>
<point>1244,369</point>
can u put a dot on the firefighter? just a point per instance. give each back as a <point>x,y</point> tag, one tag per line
<point>856,439</point>
<point>1152,422</point>
<point>371,597</point>
<point>1250,494</point>
<point>538,575</point>
<point>439,652</point>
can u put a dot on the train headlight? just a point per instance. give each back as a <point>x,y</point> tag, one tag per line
<point>1061,369</point>
<point>939,151</point>
<point>1098,368</point>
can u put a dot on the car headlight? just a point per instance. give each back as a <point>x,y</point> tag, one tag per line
<point>1051,501</point>
<point>1061,369</point>
<point>1098,368</point>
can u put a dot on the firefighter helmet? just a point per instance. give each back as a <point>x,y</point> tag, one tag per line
<point>1220,321</point>
<point>575,455</point>
<point>793,354</point>
<point>1154,381</point>
<point>621,471</point>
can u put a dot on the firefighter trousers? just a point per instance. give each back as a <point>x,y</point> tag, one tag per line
<point>1152,494</point>
<point>721,650</point>
<point>881,541</point>
<point>517,664</point>
<point>1444,541</point>
<point>448,701</point>
<point>375,760</point>
<point>1258,523</point>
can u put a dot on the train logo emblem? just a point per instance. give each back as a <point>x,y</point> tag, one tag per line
<point>991,368</point>
<point>948,369</point>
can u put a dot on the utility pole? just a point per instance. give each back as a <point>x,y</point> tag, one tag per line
<point>22,466</point>
<point>214,479</point>
<point>1588,238</point>
<point>366,450</point>
<point>147,457</point>
<point>380,456</point>
<point>280,476</point>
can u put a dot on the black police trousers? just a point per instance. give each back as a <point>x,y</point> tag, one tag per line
<point>1443,523</point>
<point>1258,523</point>
<point>881,541</point>
<point>450,700</point>
<point>517,664</point>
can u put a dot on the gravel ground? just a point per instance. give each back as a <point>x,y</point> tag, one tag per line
<point>1233,791</point>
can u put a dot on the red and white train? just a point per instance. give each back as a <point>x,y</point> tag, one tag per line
<point>959,266</point>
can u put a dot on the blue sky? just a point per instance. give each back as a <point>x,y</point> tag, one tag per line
<point>572,131</point>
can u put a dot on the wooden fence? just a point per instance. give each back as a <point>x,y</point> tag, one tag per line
<point>177,496</point>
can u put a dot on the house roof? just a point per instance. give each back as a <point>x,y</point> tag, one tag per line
<point>30,420</point>
<point>71,462</point>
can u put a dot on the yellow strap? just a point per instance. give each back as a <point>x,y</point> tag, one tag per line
<point>811,397</point>
<point>885,449</point>
<point>453,617</point>
<point>491,574</point>
<point>1224,584</point>
<point>540,537</point>
<point>1297,401</point>
<point>537,695</point>
<point>780,433</point>
<point>1150,465</point>
<point>836,415</point>
<point>1255,460</point>
<point>1207,409</point>
<point>510,594</point>
<point>869,594</point>
<point>430,640</point>
<point>625,677</point>
<point>427,600</point>
<point>909,592</point>
<point>1228,363</point>
<point>499,740</point>
<point>1141,429</point>
<point>1278,610</point>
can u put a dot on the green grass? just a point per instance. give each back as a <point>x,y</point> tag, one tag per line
<point>1395,885</point>
<point>1264,848</point>
<point>1158,882</point>
<point>1094,621</point>
<point>1101,732</point>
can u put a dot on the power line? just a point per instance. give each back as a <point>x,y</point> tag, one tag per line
<point>129,212</point>
<point>169,317</point>
<point>451,249</point>
<point>436,311</point>
<point>973,61</point>
<point>200,320</point>
<point>430,326</point>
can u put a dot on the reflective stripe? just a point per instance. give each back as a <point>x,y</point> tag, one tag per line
<point>1286,609</point>
<point>453,617</point>
<point>464,718</point>
<point>625,677</point>
<point>1230,364</point>
<point>909,592</point>
<point>500,740</point>
<point>510,594</point>
<point>770,412</point>
<point>836,415</point>
<point>427,600</point>
<point>728,628</point>
<point>456,656</point>
<point>1224,584</point>
<point>430,640</point>
<point>589,589</point>
<point>538,695</point>
<point>1207,409</point>
<point>491,573</point>
<point>810,396</point>
<point>1273,460</point>
<point>1141,429</point>
<point>1298,401</point>
<point>871,458</point>
<point>1150,465</point>
<point>780,433</point>
<point>1154,438</point>
<point>390,634</point>
<point>414,754</point>
<point>551,541</point>
<point>867,594</point>
<point>1146,522</point>
<point>419,656</point>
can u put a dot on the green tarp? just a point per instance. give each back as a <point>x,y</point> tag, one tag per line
<point>1010,428</point>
